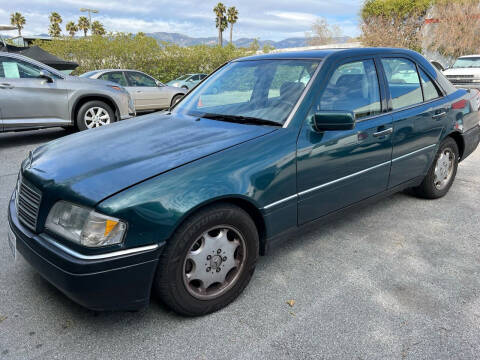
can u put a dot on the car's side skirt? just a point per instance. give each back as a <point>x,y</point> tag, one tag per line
<point>280,238</point>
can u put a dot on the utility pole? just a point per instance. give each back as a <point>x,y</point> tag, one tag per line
<point>90,11</point>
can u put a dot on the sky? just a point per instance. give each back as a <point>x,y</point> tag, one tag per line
<point>264,19</point>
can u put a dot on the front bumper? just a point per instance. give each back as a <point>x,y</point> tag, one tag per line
<point>117,283</point>
<point>471,139</point>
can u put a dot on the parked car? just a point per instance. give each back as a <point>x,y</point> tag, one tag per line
<point>185,206</point>
<point>187,81</point>
<point>465,72</point>
<point>33,96</point>
<point>148,93</point>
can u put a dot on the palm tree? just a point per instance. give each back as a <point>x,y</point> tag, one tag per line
<point>220,21</point>
<point>18,20</point>
<point>55,20</point>
<point>83,24</point>
<point>97,28</point>
<point>71,28</point>
<point>232,17</point>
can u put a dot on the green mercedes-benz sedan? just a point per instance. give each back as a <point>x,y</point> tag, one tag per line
<point>182,203</point>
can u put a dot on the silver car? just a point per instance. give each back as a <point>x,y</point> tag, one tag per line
<point>148,93</point>
<point>33,95</point>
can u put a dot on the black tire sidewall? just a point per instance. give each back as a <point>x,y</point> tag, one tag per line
<point>427,189</point>
<point>168,283</point>
<point>89,104</point>
<point>174,102</point>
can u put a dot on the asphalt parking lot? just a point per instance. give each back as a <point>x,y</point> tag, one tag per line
<point>397,280</point>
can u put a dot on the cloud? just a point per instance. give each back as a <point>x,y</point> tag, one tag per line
<point>265,19</point>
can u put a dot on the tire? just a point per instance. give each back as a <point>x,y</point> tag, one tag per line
<point>441,174</point>
<point>176,99</point>
<point>189,256</point>
<point>91,109</point>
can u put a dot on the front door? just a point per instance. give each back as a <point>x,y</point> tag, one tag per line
<point>26,100</point>
<point>339,168</point>
<point>145,92</point>
<point>419,114</point>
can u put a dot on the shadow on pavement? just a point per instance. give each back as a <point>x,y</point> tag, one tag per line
<point>19,138</point>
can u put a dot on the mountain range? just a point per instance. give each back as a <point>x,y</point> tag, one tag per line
<point>184,40</point>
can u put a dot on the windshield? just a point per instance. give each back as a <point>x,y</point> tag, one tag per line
<point>183,77</point>
<point>255,89</point>
<point>470,62</point>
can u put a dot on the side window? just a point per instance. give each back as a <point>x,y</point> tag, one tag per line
<point>196,78</point>
<point>430,90</point>
<point>139,79</point>
<point>353,87</point>
<point>17,69</point>
<point>403,82</point>
<point>116,77</point>
<point>203,76</point>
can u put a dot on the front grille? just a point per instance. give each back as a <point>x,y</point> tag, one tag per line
<point>28,203</point>
<point>460,76</point>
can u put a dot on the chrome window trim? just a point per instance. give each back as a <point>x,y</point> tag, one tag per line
<point>99,256</point>
<point>269,206</point>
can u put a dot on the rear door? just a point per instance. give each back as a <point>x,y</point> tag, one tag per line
<point>28,101</point>
<point>338,168</point>
<point>419,113</point>
<point>145,92</point>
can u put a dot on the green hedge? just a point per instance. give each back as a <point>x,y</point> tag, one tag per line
<point>125,51</point>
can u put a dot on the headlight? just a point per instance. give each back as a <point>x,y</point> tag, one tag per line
<point>84,226</point>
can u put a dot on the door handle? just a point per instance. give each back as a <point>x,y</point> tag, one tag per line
<point>383,132</point>
<point>138,91</point>
<point>439,115</point>
<point>6,86</point>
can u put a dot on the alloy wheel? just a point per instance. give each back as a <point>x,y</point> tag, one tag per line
<point>95,117</point>
<point>214,262</point>
<point>444,168</point>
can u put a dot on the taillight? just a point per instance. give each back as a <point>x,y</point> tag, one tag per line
<point>459,105</point>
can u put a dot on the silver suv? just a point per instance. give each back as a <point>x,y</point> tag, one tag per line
<point>33,96</point>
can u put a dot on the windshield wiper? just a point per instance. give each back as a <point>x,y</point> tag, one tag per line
<point>240,119</point>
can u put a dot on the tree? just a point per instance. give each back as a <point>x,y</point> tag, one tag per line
<point>455,30</point>
<point>83,24</point>
<point>71,28</point>
<point>220,21</point>
<point>97,28</point>
<point>232,17</point>
<point>18,20</point>
<point>55,20</point>
<point>323,33</point>
<point>394,23</point>
<point>268,48</point>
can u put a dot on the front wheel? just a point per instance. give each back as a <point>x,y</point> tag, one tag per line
<point>94,114</point>
<point>442,173</point>
<point>176,99</point>
<point>209,261</point>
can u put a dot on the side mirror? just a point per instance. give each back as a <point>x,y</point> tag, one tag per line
<point>333,121</point>
<point>159,84</point>
<point>44,74</point>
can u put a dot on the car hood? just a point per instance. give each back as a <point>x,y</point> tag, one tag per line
<point>95,164</point>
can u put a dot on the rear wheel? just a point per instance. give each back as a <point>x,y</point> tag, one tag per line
<point>94,114</point>
<point>208,262</point>
<point>442,173</point>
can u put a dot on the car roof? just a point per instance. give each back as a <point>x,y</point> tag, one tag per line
<point>323,53</point>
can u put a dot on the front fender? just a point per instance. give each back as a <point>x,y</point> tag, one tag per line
<point>260,171</point>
